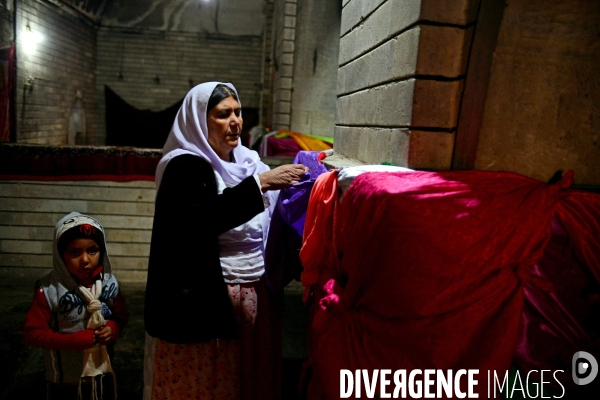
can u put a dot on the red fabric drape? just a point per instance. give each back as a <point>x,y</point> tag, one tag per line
<point>579,213</point>
<point>429,269</point>
<point>317,251</point>
<point>561,312</point>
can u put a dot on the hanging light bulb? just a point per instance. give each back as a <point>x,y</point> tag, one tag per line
<point>30,40</point>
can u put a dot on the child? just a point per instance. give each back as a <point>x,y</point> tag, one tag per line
<point>77,313</point>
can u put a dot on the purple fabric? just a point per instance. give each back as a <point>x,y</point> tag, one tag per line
<point>310,159</point>
<point>293,201</point>
<point>282,263</point>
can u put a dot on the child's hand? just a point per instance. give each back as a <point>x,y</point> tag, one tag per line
<point>103,334</point>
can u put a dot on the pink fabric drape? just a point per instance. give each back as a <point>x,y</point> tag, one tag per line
<point>427,269</point>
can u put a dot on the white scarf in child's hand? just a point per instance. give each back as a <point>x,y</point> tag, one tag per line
<point>95,360</point>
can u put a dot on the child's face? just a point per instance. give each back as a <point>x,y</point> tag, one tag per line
<point>81,257</point>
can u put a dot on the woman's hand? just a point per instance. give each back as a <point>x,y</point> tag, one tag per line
<point>103,334</point>
<point>282,177</point>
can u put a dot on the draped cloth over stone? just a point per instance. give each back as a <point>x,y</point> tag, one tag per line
<point>426,270</point>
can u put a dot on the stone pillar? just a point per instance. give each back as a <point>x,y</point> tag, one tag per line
<point>542,110</point>
<point>283,61</point>
<point>7,23</point>
<point>316,67</point>
<point>401,74</point>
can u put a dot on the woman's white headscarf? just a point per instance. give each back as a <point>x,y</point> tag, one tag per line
<point>189,135</point>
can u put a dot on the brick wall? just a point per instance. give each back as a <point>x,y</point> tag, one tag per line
<point>284,28</point>
<point>401,73</point>
<point>159,68</point>
<point>61,65</point>
<point>73,52</point>
<point>30,209</point>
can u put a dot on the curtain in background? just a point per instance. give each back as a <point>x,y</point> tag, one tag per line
<point>130,126</point>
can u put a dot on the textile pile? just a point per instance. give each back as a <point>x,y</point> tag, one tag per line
<point>450,270</point>
<point>285,143</point>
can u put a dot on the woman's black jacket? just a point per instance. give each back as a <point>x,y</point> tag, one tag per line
<point>186,297</point>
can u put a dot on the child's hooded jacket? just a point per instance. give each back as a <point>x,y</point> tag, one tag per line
<point>69,314</point>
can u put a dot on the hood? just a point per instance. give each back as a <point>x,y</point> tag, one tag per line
<point>67,222</point>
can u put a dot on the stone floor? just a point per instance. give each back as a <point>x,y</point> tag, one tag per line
<point>21,366</point>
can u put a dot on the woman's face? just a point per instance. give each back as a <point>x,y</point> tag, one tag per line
<point>224,123</point>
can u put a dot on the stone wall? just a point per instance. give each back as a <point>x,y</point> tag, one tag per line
<point>530,69</point>
<point>6,23</point>
<point>50,76</point>
<point>153,70</point>
<point>266,116</point>
<point>158,62</point>
<point>401,73</point>
<point>30,209</point>
<point>542,112</point>
<point>283,53</point>
<point>315,67</point>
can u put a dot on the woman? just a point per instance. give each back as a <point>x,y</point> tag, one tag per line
<point>205,301</point>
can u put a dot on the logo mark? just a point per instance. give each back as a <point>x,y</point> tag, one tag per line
<point>583,364</point>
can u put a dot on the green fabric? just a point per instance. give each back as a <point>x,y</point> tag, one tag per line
<point>325,139</point>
